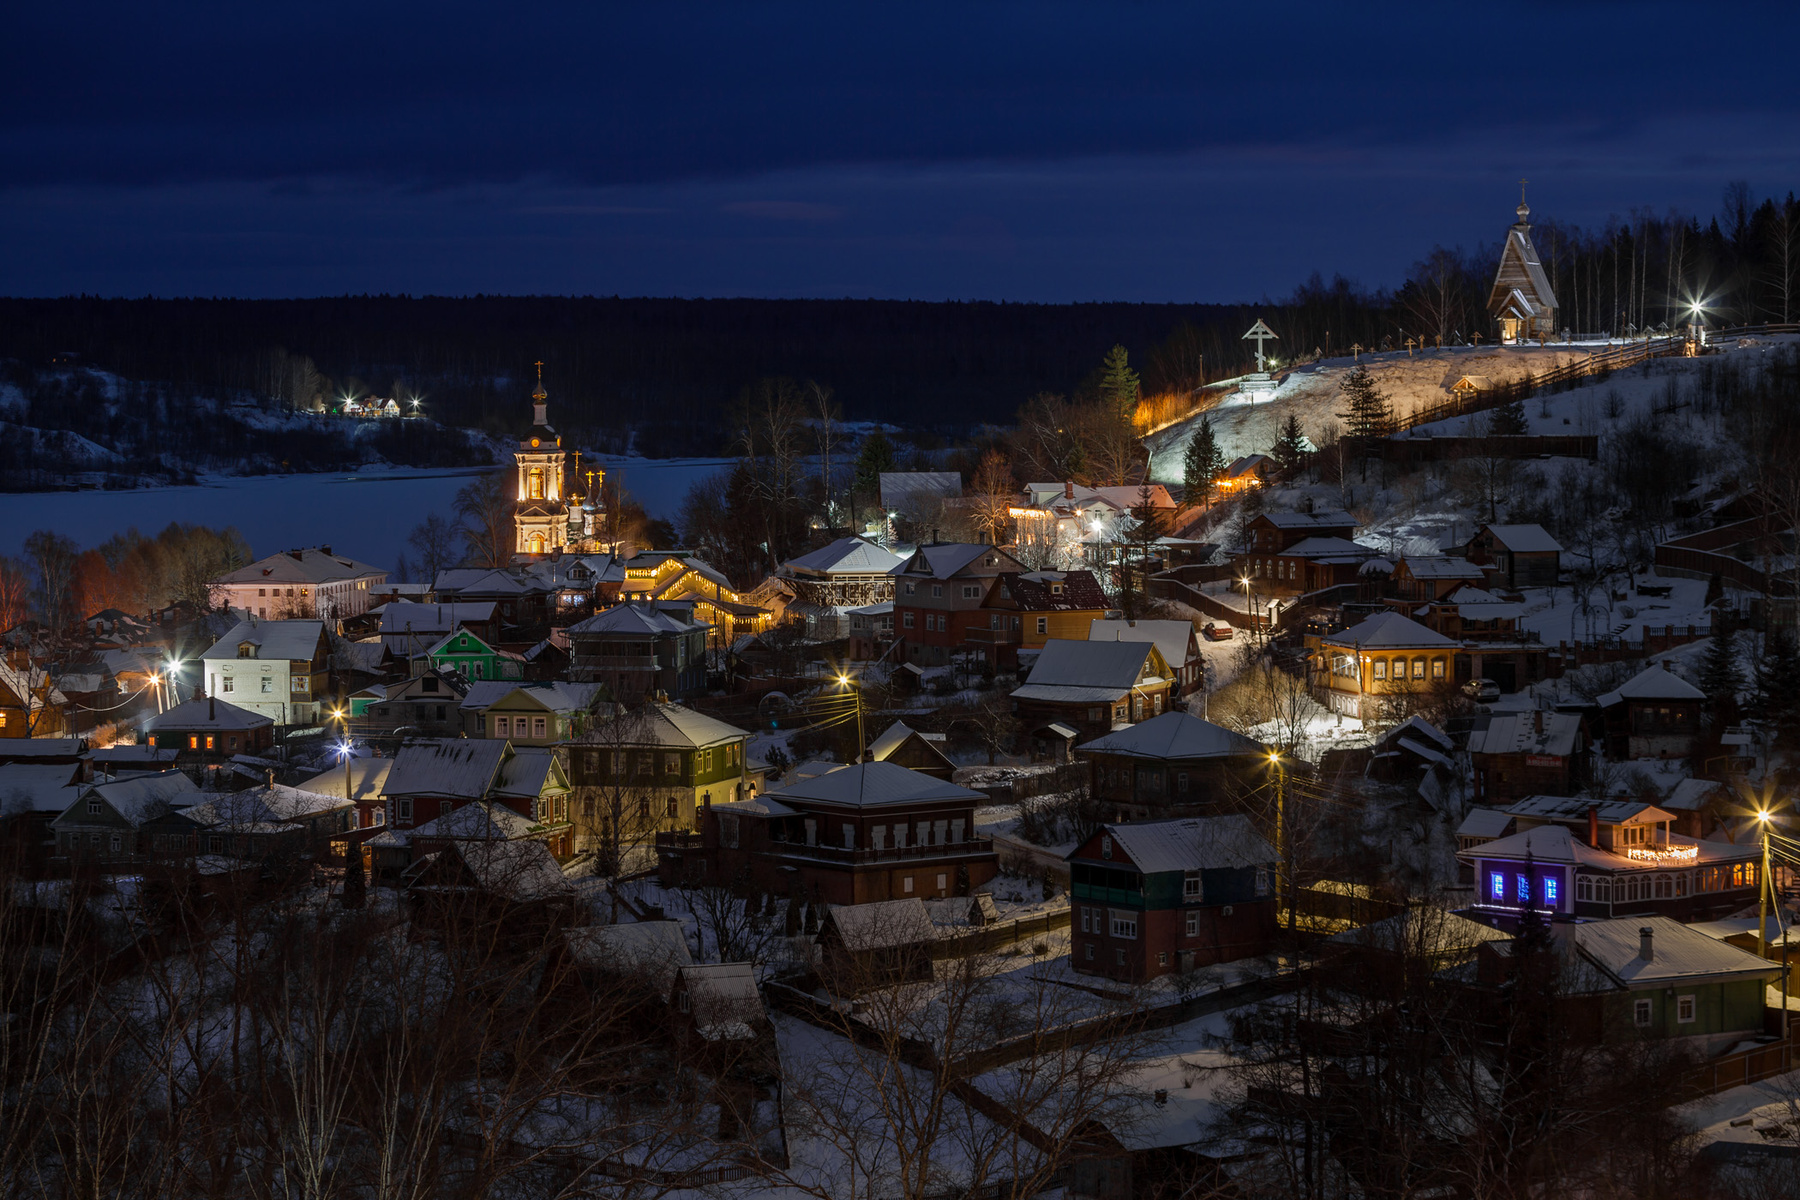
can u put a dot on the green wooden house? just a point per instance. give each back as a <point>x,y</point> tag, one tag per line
<point>652,768</point>
<point>462,651</point>
<point>1654,977</point>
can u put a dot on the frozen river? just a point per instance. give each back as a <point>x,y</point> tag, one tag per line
<point>366,515</point>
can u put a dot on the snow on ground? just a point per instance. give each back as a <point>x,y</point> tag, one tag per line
<point>1312,393</point>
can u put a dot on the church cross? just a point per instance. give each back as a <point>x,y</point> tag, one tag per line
<point>1261,333</point>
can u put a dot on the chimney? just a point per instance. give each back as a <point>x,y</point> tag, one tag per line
<point>1068,489</point>
<point>271,774</point>
<point>1646,950</point>
<point>324,549</point>
<point>1594,826</point>
<point>212,709</point>
<point>1538,719</point>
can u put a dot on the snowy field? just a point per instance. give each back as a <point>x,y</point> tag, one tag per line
<point>366,514</point>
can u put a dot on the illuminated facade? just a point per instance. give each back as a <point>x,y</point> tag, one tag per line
<point>553,514</point>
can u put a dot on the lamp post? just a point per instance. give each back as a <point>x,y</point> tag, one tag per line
<point>1283,843</point>
<point>1762,921</point>
<point>856,698</point>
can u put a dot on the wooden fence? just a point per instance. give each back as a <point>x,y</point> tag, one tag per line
<point>1746,1066</point>
<point>985,939</point>
<point>1433,449</point>
<point>1598,362</point>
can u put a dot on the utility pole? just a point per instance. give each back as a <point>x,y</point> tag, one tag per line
<point>1284,844</point>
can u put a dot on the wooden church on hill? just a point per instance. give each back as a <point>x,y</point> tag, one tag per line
<point>1522,302</point>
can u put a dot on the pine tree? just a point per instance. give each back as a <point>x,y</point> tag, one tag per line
<point>1509,419</point>
<point>1119,383</point>
<point>1776,685</point>
<point>1290,447</point>
<point>876,456</point>
<point>1202,463</point>
<point>1369,416</point>
<point>1720,677</point>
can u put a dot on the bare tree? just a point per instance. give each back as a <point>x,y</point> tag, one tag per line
<point>992,495</point>
<point>435,540</point>
<point>485,510</point>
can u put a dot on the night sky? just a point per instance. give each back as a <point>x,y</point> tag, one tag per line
<point>1037,151</point>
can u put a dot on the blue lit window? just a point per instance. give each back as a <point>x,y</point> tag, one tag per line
<point>1524,889</point>
<point>1549,891</point>
<point>1497,885</point>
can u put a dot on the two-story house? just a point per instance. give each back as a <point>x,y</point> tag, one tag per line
<point>1654,714</point>
<point>848,573</point>
<point>410,630</point>
<point>1516,556</point>
<point>280,669</point>
<point>1026,610</point>
<point>1607,858</point>
<point>433,777</point>
<point>655,768</point>
<point>308,583</point>
<point>1376,665</point>
<point>520,599</point>
<point>1519,754</point>
<point>1175,764</point>
<point>466,653</point>
<point>846,835</point>
<point>1177,641</point>
<point>641,650</point>
<point>1432,577</point>
<point>1158,897</point>
<point>938,597</point>
<point>1094,687</point>
<point>426,705</point>
<point>538,714</point>
<point>105,822</point>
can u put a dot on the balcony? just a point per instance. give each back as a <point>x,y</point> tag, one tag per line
<point>613,662</point>
<point>842,857</point>
<point>994,637</point>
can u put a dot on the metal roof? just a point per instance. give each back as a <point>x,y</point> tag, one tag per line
<point>520,870</point>
<point>37,787</point>
<point>1172,639</point>
<point>403,616</point>
<point>1190,844</point>
<point>1574,808</point>
<point>1535,732</point>
<point>451,767</point>
<point>873,784</point>
<point>273,640</point>
<point>1652,683</point>
<point>664,725</point>
<point>141,797</point>
<point>368,776</point>
<point>1676,953</point>
<point>1524,539</point>
<point>1388,630</point>
<point>1442,567</point>
<point>883,924</point>
<point>846,556</point>
<point>943,560</point>
<point>313,565</point>
<point>657,949</point>
<point>529,771</point>
<point>636,618</point>
<point>206,712</point>
<point>1486,822</point>
<point>1174,735</point>
<point>1063,662</point>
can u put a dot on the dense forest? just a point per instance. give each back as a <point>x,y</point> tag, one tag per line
<point>655,373</point>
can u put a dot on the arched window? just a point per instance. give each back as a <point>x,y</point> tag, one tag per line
<point>536,485</point>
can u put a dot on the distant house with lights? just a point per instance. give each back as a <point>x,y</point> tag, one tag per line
<point>308,583</point>
<point>672,575</point>
<point>1252,470</point>
<point>1604,858</point>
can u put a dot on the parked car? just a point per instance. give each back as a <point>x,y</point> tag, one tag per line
<point>1486,691</point>
<point>1217,631</point>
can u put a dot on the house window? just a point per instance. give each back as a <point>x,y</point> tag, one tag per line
<point>1124,924</point>
<point>1584,887</point>
<point>1084,921</point>
<point>937,589</point>
<point>1106,845</point>
<point>906,619</point>
<point>268,684</point>
<point>674,809</point>
<point>671,764</point>
<point>116,843</point>
<point>1043,624</point>
<point>1549,891</point>
<point>1191,888</point>
<point>1496,885</point>
<point>215,844</point>
<point>910,588</point>
<point>94,807</point>
<point>299,685</point>
<point>1119,957</point>
<point>1437,668</point>
<point>1418,668</point>
<point>971,591</point>
<point>1684,1010</point>
<point>906,885</point>
<point>1162,958</point>
<point>1381,668</point>
<point>227,685</point>
<point>644,765</point>
<point>1523,891</point>
<point>502,726</point>
<point>193,741</point>
<point>538,727</point>
<point>644,806</point>
<point>1262,881</point>
<point>1640,1013</point>
<point>1193,923</point>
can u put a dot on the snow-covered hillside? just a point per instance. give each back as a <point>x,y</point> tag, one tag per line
<point>1312,393</point>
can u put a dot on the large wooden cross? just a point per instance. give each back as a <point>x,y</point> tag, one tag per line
<point>1261,333</point>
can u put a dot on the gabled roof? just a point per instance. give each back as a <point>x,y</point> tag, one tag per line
<point>37,787</point>
<point>1575,808</point>
<point>883,924</point>
<point>462,768</point>
<point>901,489</point>
<point>1388,630</point>
<point>1036,591</point>
<point>1691,795</point>
<point>205,712</point>
<point>1652,683</point>
<point>368,776</point>
<point>481,821</point>
<point>529,771</point>
<point>481,581</point>
<point>1524,539</point>
<point>273,640</point>
<point>1486,822</point>
<point>1421,929</point>
<point>1520,733</point>
<point>264,805</point>
<point>1189,844</point>
<point>484,692</point>
<point>1111,666</point>
<point>945,559</point>
<point>520,871</point>
<point>430,621</point>
<point>1329,547</point>
<point>441,646</point>
<point>555,695</point>
<point>723,999</point>
<point>630,617</point>
<point>1676,953</point>
<point>668,725</point>
<point>846,556</point>
<point>1174,735</point>
<point>315,564</point>
<point>1420,728</point>
<point>872,784</point>
<point>1248,464</point>
<point>140,797</point>
<point>26,749</point>
<point>1172,639</point>
<point>655,948</point>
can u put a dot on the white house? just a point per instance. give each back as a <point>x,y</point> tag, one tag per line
<point>276,668</point>
<point>307,583</point>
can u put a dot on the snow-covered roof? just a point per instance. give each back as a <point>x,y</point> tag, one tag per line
<point>481,821</point>
<point>1575,808</point>
<point>484,692</point>
<point>1419,727</point>
<point>1174,735</point>
<point>1311,520</point>
<point>140,797</point>
<point>368,776</point>
<point>263,805</point>
<point>1691,795</point>
<point>1441,567</point>
<point>1527,733</point>
<point>1172,639</point>
<point>482,581</point>
<point>1676,953</point>
<point>943,560</point>
<point>1191,844</point>
<point>1652,683</point>
<point>846,556</point>
<point>37,787</point>
<point>521,870</point>
<point>722,998</point>
<point>1547,844</point>
<point>450,767</point>
<point>631,617</point>
<point>429,621</point>
<point>1525,539</point>
<point>1328,547</point>
<point>883,924</point>
<point>1388,630</point>
<point>314,565</point>
<point>1063,663</point>
<point>25,749</point>
<point>656,948</point>
<point>1421,929</point>
<point>889,740</point>
<point>664,725</point>
<point>206,712</point>
<point>1485,823</point>
<point>557,696</point>
<point>529,771</point>
<point>873,784</point>
<point>271,640</point>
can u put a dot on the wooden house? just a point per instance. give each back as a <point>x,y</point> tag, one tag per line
<point>1433,577</point>
<point>1654,714</point>
<point>1176,640</point>
<point>922,752</point>
<point>1174,764</point>
<point>105,822</point>
<point>867,946</point>
<point>1519,754</point>
<point>1094,687</point>
<point>1025,609</point>
<point>1516,556</point>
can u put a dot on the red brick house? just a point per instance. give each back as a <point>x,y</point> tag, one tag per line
<point>1157,897</point>
<point>939,595</point>
<point>431,778</point>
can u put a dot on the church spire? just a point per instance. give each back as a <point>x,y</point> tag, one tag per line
<point>1524,209</point>
<point>539,399</point>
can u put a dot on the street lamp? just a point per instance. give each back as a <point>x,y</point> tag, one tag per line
<point>846,681</point>
<point>1283,846</point>
<point>343,752</point>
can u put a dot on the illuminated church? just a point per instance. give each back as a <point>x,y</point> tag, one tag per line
<point>553,514</point>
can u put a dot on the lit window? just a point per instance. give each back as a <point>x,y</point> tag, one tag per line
<point>1381,668</point>
<point>1523,890</point>
<point>1497,885</point>
<point>1549,891</point>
